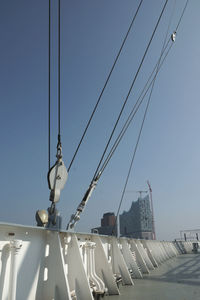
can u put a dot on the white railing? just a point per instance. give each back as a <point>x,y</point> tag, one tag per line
<point>36,263</point>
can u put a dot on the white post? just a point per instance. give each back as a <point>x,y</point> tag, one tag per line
<point>15,246</point>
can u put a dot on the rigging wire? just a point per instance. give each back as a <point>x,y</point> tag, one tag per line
<point>138,139</point>
<point>57,174</point>
<point>139,102</point>
<point>134,153</point>
<point>129,92</point>
<point>59,137</point>
<point>130,118</point>
<point>183,12</point>
<point>141,128</point>
<point>49,89</point>
<point>135,150</point>
<point>76,217</point>
<point>104,87</point>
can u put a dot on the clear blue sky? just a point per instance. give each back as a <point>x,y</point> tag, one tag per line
<point>91,34</point>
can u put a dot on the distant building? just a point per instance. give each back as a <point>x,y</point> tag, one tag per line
<point>108,225</point>
<point>137,222</point>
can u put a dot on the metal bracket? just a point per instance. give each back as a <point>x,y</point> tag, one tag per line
<point>76,217</point>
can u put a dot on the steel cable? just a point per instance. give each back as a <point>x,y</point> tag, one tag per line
<point>59,137</point>
<point>183,12</point>
<point>130,118</point>
<point>136,146</point>
<point>75,217</point>
<point>129,92</point>
<point>139,102</point>
<point>49,85</point>
<point>105,85</point>
<point>49,89</point>
<point>141,128</point>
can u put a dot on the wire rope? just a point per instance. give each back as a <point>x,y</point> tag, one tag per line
<point>59,137</point>
<point>183,12</point>
<point>49,85</point>
<point>136,147</point>
<point>130,119</point>
<point>140,132</point>
<point>129,92</point>
<point>75,217</point>
<point>135,107</point>
<point>49,89</point>
<point>105,85</point>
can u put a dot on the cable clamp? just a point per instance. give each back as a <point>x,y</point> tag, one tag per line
<point>173,36</point>
<point>59,148</point>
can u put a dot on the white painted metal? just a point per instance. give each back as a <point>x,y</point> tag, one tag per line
<point>15,246</point>
<point>75,264</point>
<point>58,176</point>
<point>143,252</point>
<point>38,263</point>
<point>95,281</point>
<point>129,259</point>
<point>149,246</point>
<point>103,268</point>
<point>140,260</point>
<point>118,263</point>
<point>55,284</point>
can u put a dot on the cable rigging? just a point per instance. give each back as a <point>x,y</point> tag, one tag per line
<point>142,96</point>
<point>143,120</point>
<point>57,174</point>
<point>96,175</point>
<point>131,116</point>
<point>183,12</point>
<point>135,150</point>
<point>49,89</point>
<point>105,85</point>
<point>75,217</point>
<point>59,136</point>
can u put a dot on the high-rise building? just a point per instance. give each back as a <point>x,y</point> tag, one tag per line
<point>108,225</point>
<point>138,221</point>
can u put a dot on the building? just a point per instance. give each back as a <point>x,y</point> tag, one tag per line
<point>138,221</point>
<point>108,225</point>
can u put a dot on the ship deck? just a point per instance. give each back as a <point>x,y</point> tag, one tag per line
<point>176,279</point>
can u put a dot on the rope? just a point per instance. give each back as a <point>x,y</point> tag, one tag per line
<point>135,107</point>
<point>134,153</point>
<point>135,150</point>
<point>104,87</point>
<point>49,89</point>
<point>142,125</point>
<point>183,12</point>
<point>129,92</point>
<point>59,71</point>
<point>94,181</point>
<point>131,116</point>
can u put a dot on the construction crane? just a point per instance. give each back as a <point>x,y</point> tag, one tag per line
<point>153,221</point>
<point>140,192</point>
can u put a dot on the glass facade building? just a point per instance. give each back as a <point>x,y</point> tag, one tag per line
<point>138,221</point>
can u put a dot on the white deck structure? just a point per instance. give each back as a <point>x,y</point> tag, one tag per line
<point>37,263</point>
